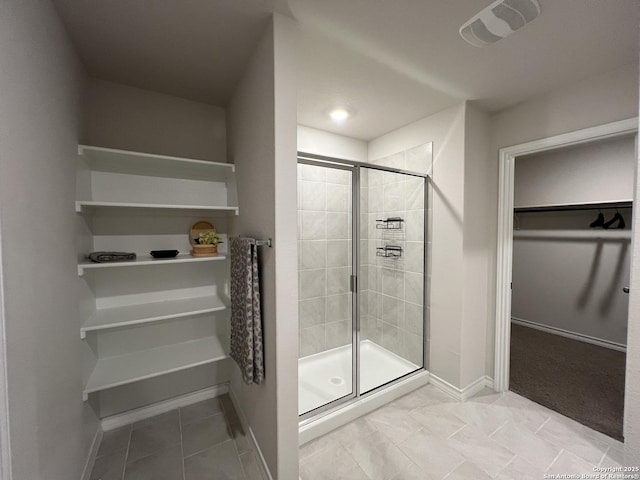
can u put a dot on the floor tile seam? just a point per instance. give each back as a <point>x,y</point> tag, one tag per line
<point>557,443</point>
<point>184,473</point>
<point>554,460</point>
<point>133,425</point>
<point>306,459</point>
<point>454,468</point>
<point>126,456</point>
<point>209,448</point>
<point>354,459</point>
<point>604,455</point>
<point>155,452</point>
<point>498,428</point>
<point>384,447</point>
<point>507,464</point>
<point>458,430</point>
<point>201,418</point>
<point>235,448</point>
<point>542,426</point>
<point>492,444</point>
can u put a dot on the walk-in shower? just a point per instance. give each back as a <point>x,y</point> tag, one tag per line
<point>362,232</point>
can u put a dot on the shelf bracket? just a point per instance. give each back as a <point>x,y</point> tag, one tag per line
<point>83,334</point>
<point>80,271</point>
<point>85,396</point>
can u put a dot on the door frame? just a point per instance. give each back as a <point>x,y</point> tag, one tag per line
<point>5,438</point>
<point>504,265</point>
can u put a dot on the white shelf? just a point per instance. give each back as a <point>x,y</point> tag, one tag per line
<point>112,372</point>
<point>109,159</point>
<point>91,205</point>
<point>624,203</point>
<point>105,318</point>
<point>144,260</point>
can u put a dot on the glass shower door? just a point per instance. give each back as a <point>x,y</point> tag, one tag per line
<point>392,267</point>
<point>326,343</point>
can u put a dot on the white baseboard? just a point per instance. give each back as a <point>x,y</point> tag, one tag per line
<point>342,415</point>
<point>461,394</point>
<point>573,335</point>
<point>93,453</point>
<point>264,468</point>
<point>131,416</point>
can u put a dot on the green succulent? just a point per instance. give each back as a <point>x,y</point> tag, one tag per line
<point>209,237</point>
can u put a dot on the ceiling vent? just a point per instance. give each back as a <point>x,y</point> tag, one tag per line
<point>499,20</point>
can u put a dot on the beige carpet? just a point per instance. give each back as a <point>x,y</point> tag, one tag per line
<point>579,380</point>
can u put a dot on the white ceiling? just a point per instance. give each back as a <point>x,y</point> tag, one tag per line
<point>392,62</point>
<point>195,49</point>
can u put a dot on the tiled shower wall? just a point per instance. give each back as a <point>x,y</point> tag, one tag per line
<point>324,235</point>
<point>392,304</point>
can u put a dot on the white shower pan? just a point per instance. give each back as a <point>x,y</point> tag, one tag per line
<point>326,376</point>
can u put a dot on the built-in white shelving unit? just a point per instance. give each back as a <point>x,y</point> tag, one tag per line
<point>86,205</point>
<point>114,317</point>
<point>146,260</point>
<point>141,323</point>
<point>119,370</point>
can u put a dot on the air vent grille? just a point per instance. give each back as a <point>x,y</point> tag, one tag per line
<point>499,20</point>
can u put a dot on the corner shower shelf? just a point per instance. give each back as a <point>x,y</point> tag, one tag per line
<point>84,206</point>
<point>119,370</point>
<point>114,317</point>
<point>393,223</point>
<point>145,260</point>
<point>389,251</point>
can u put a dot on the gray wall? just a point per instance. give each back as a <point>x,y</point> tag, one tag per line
<point>596,172</point>
<point>566,275</point>
<point>41,82</point>
<point>129,118</point>
<point>570,277</point>
<point>262,144</point>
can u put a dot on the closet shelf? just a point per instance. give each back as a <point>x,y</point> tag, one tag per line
<point>145,260</point>
<point>113,160</point>
<point>119,370</point>
<point>84,206</point>
<point>114,317</point>
<point>574,206</point>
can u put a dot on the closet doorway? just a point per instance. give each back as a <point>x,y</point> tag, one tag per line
<point>563,272</point>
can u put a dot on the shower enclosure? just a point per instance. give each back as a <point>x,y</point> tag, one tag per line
<point>362,263</point>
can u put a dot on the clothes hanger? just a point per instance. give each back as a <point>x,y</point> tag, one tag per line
<point>617,217</point>
<point>598,222</point>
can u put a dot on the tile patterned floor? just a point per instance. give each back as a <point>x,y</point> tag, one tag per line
<point>203,441</point>
<point>427,436</point>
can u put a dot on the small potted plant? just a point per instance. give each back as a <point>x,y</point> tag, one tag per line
<point>206,244</point>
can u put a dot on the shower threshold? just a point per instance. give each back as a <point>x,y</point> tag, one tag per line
<point>326,376</point>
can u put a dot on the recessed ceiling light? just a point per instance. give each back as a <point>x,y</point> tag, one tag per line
<point>339,115</point>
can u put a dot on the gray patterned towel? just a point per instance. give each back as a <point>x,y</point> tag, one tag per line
<point>246,321</point>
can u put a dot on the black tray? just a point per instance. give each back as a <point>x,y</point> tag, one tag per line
<point>164,253</point>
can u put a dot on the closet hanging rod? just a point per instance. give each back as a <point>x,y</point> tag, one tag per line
<point>574,206</point>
